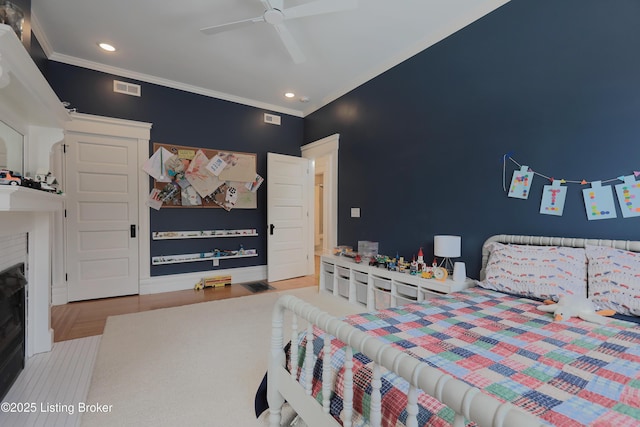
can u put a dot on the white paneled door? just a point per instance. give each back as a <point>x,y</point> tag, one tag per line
<point>289,217</point>
<point>101,186</point>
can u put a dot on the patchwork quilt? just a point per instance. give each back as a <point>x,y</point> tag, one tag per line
<point>570,373</point>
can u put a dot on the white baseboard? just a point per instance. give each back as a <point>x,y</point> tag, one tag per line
<point>180,282</point>
<point>59,295</point>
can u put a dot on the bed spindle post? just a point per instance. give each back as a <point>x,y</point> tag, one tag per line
<point>308,358</point>
<point>412,407</point>
<point>276,360</point>
<point>375,409</point>
<point>326,374</point>
<point>347,399</point>
<point>294,347</point>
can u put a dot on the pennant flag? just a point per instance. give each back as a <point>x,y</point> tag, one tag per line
<point>584,182</point>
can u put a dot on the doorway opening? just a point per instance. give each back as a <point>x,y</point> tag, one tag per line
<point>324,154</point>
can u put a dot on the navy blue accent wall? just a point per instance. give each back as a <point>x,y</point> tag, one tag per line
<point>557,82</point>
<point>189,119</point>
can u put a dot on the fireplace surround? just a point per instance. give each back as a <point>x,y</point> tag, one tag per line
<point>12,325</point>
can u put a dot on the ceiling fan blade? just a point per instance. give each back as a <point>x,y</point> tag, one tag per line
<point>215,29</point>
<point>272,4</point>
<point>319,7</point>
<point>290,44</point>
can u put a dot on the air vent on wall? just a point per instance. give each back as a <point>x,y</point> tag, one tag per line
<point>272,118</point>
<point>126,88</point>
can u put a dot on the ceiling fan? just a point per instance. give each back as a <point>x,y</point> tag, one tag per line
<point>275,14</point>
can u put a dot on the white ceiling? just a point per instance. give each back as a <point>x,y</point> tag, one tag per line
<point>160,42</point>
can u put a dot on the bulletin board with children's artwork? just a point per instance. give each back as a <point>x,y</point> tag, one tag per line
<point>191,177</point>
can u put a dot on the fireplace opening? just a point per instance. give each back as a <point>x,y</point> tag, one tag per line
<point>12,325</point>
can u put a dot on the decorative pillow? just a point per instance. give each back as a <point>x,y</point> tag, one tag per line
<point>545,272</point>
<point>614,279</point>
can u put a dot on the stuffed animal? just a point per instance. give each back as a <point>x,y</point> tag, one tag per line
<point>574,306</point>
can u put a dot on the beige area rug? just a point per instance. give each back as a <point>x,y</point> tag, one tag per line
<point>195,365</point>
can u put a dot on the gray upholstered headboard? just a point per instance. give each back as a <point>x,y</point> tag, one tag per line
<point>573,242</point>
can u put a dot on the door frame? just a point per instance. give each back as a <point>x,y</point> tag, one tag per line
<point>326,151</point>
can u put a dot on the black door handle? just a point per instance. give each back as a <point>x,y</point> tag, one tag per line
<point>271,227</point>
<point>133,231</point>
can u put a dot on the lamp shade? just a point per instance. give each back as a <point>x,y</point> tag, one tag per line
<point>447,246</point>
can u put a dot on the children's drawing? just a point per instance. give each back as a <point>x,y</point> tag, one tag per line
<point>216,165</point>
<point>255,184</point>
<point>200,178</point>
<point>154,200</point>
<point>629,197</point>
<point>190,197</point>
<point>521,183</point>
<point>155,165</point>
<point>240,167</point>
<point>220,197</point>
<point>553,198</point>
<point>598,202</point>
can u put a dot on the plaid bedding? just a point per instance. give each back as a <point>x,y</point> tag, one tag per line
<point>571,373</point>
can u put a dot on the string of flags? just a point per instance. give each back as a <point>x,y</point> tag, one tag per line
<point>599,200</point>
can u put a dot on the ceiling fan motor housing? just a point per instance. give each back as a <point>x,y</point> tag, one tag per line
<point>273,16</point>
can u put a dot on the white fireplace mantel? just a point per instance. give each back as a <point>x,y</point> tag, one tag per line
<point>31,107</point>
<point>22,199</point>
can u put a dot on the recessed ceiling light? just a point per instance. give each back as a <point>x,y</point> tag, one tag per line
<point>107,47</point>
<point>289,94</point>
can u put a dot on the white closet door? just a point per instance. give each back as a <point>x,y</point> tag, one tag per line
<point>289,216</point>
<point>101,188</point>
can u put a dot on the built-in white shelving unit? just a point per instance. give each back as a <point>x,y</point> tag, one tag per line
<point>377,288</point>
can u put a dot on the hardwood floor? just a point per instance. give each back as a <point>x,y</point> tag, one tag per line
<point>88,318</point>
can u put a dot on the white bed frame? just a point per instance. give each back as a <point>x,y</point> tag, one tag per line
<point>467,401</point>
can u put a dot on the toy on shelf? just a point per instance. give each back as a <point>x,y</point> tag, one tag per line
<point>343,251</point>
<point>8,177</point>
<point>575,306</point>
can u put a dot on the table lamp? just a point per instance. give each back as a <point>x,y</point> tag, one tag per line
<point>447,247</point>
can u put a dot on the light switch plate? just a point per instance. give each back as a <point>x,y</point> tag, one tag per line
<point>355,212</point>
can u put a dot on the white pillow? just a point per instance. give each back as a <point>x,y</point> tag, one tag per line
<point>614,279</point>
<point>545,272</point>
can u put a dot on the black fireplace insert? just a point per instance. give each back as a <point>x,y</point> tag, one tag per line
<point>12,325</point>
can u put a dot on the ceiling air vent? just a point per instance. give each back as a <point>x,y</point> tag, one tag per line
<point>126,88</point>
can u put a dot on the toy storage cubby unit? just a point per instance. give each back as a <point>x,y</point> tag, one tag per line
<point>377,288</point>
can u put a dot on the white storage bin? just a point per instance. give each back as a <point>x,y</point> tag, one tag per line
<point>407,290</point>
<point>328,281</point>
<point>382,283</point>
<point>404,301</point>
<point>382,299</point>
<point>342,272</point>
<point>361,277</point>
<point>327,267</point>
<point>343,287</point>
<point>361,293</point>
<point>427,293</point>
